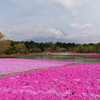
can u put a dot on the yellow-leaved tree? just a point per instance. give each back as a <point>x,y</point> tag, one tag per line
<point>4,44</point>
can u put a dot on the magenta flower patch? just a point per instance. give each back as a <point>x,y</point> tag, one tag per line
<point>93,55</point>
<point>71,82</point>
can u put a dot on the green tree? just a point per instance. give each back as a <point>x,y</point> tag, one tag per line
<point>4,44</point>
<point>36,50</point>
<point>51,45</point>
<point>80,49</point>
<point>97,46</point>
<point>92,49</point>
<point>22,48</point>
<point>41,46</point>
<point>27,44</point>
<point>56,48</point>
<point>14,49</point>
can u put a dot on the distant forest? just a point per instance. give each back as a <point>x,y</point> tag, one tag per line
<point>25,47</point>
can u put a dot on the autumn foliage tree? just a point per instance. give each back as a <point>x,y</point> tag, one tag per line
<point>4,44</point>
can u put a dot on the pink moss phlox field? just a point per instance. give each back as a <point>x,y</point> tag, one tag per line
<point>8,66</point>
<point>72,82</point>
<point>93,55</point>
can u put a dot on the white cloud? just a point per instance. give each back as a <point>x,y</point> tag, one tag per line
<point>42,30</point>
<point>0,30</point>
<point>76,26</point>
<point>70,3</point>
<point>53,20</point>
<point>47,32</point>
<point>74,13</point>
<point>15,33</point>
<point>84,37</point>
<point>40,25</point>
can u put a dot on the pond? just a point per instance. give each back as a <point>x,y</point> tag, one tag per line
<point>79,59</point>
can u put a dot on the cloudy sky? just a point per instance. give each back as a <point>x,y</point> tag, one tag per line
<point>51,20</point>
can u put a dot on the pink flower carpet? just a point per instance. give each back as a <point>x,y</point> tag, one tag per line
<point>70,82</point>
<point>93,55</point>
<point>8,66</point>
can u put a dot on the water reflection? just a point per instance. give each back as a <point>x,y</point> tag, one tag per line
<point>78,59</point>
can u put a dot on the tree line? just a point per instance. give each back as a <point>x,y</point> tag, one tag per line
<point>25,47</point>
